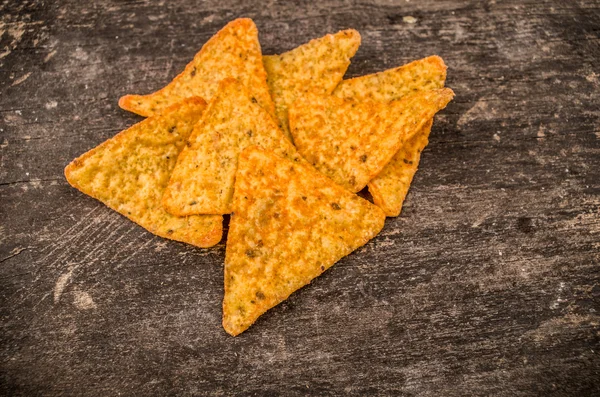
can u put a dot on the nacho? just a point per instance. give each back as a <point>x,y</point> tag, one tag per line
<point>233,52</point>
<point>130,171</point>
<point>202,182</point>
<point>316,66</point>
<point>350,141</point>
<point>290,224</point>
<point>390,186</point>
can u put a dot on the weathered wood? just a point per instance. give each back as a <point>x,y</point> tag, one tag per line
<point>488,284</point>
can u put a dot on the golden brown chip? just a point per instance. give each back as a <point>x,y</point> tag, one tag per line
<point>351,142</point>
<point>130,171</point>
<point>233,52</point>
<point>202,181</point>
<point>424,74</point>
<point>317,66</point>
<point>290,224</point>
<point>390,186</point>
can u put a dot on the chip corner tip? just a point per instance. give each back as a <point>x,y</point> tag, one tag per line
<point>68,170</point>
<point>213,239</point>
<point>128,103</point>
<point>353,33</point>
<point>124,101</point>
<point>243,22</point>
<point>443,96</point>
<point>210,238</point>
<point>353,36</point>
<point>72,166</point>
<point>71,176</point>
<point>449,93</point>
<point>217,234</point>
<point>380,202</point>
<point>436,59</point>
<point>196,101</point>
<point>230,332</point>
<point>392,212</point>
<point>229,327</point>
<point>228,82</point>
<point>184,105</point>
<point>172,208</point>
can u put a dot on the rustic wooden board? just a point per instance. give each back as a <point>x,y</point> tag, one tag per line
<point>488,284</point>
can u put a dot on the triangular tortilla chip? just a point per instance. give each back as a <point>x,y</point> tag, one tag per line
<point>351,142</point>
<point>130,171</point>
<point>233,52</point>
<point>390,186</point>
<point>317,66</point>
<point>202,182</point>
<point>290,224</point>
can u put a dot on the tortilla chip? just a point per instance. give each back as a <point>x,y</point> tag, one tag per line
<point>202,182</point>
<point>316,66</point>
<point>130,171</point>
<point>233,52</point>
<point>290,224</point>
<point>351,142</point>
<point>425,74</point>
<point>390,187</point>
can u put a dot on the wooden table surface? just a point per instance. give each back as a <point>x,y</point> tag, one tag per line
<point>488,284</point>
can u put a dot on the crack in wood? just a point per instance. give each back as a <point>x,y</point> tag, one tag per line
<point>15,253</point>
<point>31,181</point>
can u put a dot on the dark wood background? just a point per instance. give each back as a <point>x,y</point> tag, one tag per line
<point>488,284</point>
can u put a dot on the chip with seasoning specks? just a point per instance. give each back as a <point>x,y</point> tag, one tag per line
<point>290,224</point>
<point>233,52</point>
<point>202,182</point>
<point>351,141</point>
<point>317,66</point>
<point>390,186</point>
<point>130,171</point>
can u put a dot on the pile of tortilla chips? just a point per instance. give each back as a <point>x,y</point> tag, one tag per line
<point>281,143</point>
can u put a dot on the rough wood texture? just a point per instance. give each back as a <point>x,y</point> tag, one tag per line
<point>488,284</point>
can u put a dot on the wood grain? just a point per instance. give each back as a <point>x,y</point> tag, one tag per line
<point>488,284</point>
